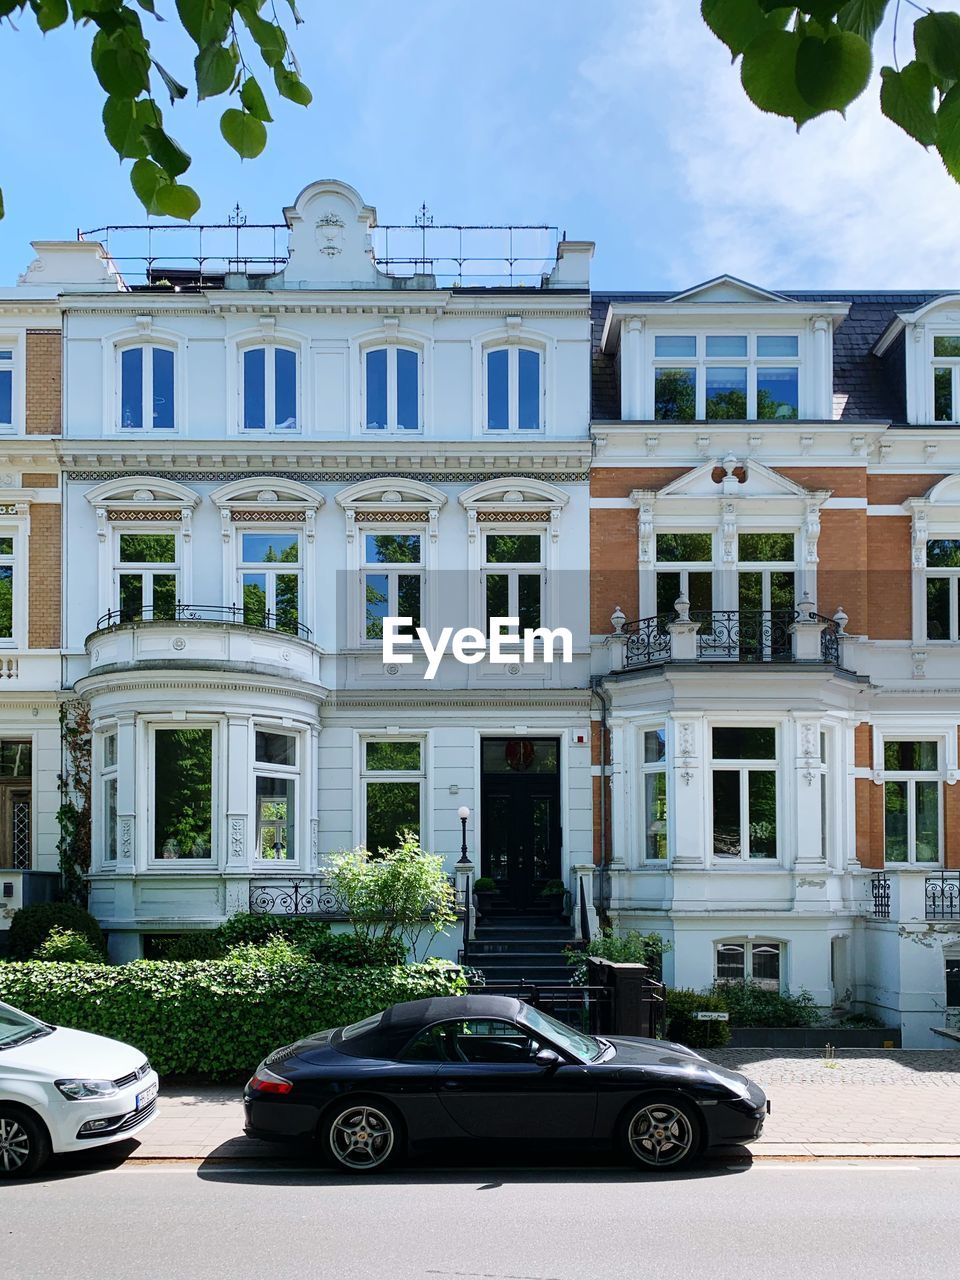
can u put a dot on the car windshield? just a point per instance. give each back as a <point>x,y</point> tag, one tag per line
<point>16,1026</point>
<point>578,1045</point>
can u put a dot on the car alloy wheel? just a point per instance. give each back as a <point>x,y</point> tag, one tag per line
<point>362,1138</point>
<point>661,1135</point>
<point>14,1145</point>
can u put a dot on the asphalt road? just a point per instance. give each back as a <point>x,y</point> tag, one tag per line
<point>163,1222</point>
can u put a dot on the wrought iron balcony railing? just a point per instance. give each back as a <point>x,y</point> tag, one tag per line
<point>236,614</point>
<point>728,635</point>
<point>941,896</point>
<point>648,640</point>
<point>880,893</point>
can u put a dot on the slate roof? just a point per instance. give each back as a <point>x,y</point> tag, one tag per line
<point>867,388</point>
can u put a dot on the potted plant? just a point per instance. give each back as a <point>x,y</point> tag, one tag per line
<point>552,896</point>
<point>484,892</point>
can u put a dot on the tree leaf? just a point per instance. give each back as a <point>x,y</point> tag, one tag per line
<point>251,95</point>
<point>51,14</point>
<point>1,202</point>
<point>269,37</point>
<point>832,73</point>
<point>948,132</point>
<point>737,22</point>
<point>906,98</point>
<point>291,86</point>
<point>121,66</point>
<point>215,67</point>
<point>174,87</point>
<point>769,75</point>
<point>177,201</point>
<point>822,11</point>
<point>205,20</point>
<point>936,38</point>
<point>243,132</point>
<point>862,17</point>
<point>123,127</point>
<point>147,178</point>
<point>168,154</point>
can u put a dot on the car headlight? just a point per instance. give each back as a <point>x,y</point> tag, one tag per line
<point>76,1090</point>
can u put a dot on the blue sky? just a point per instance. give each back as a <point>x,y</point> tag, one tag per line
<point>621,122</point>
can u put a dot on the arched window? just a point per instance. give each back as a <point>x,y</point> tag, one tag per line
<point>514,389</point>
<point>391,389</point>
<point>147,388</point>
<point>269,389</point>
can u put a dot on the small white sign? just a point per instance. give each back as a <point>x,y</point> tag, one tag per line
<point>712,1017</point>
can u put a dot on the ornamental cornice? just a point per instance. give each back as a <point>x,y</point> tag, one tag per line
<point>105,681</point>
<point>520,699</point>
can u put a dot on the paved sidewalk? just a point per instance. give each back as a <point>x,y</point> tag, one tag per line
<point>863,1102</point>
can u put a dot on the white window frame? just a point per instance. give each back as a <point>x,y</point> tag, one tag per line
<point>292,773</point>
<point>912,777</point>
<point>184,866</point>
<point>391,346</point>
<point>20,592</point>
<point>685,567</point>
<point>953,590</point>
<point>8,365</point>
<point>744,768</point>
<point>269,350</point>
<point>392,571</point>
<point>365,776</point>
<point>647,769</point>
<point>146,345</point>
<point>748,945</point>
<point>513,570</point>
<point>944,362</point>
<point>109,775</point>
<point>270,569</point>
<point>146,569</point>
<point>751,362</point>
<point>513,350</point>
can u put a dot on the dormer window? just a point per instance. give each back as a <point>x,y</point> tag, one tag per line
<point>147,388</point>
<point>946,377</point>
<point>392,389</point>
<point>6,387</point>
<point>514,389</point>
<point>726,377</point>
<point>269,394</point>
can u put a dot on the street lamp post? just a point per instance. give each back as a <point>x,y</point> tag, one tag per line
<point>463,813</point>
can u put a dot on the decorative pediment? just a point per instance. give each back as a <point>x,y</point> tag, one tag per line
<point>393,493</point>
<point>728,289</point>
<point>520,494</point>
<point>945,493</point>
<point>268,500</point>
<point>142,493</point>
<point>731,478</point>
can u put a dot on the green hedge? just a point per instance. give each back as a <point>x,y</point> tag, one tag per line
<point>30,927</point>
<point>683,1027</point>
<point>215,1018</point>
<point>752,1005</point>
<point>314,938</point>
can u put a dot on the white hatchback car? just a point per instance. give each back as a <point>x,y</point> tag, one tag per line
<point>63,1090</point>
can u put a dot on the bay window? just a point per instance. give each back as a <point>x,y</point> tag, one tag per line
<point>392,389</point>
<point>911,801</point>
<point>513,387</point>
<point>269,393</point>
<point>720,377</point>
<point>653,772</point>
<point>183,794</point>
<point>392,580</point>
<point>744,780</point>
<point>392,783</point>
<point>270,571</point>
<point>146,574</point>
<point>275,787</point>
<point>757,962</point>
<point>147,388</point>
<point>943,589</point>
<point>513,577</point>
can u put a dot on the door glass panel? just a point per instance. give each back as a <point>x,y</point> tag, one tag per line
<point>131,597</point>
<point>541,823</point>
<point>408,597</point>
<point>700,591</point>
<point>520,755</point>
<point>288,602</point>
<point>496,836</point>
<point>255,599</point>
<point>750,586</point>
<point>164,597</point>
<point>895,821</point>
<point>668,592</point>
<point>762,793</point>
<point>726,813</point>
<point>16,759</point>
<point>928,821</point>
<point>377,603</point>
<point>528,598</point>
<point>275,814</point>
<point>782,593</point>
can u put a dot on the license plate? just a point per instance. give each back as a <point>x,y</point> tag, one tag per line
<point>144,1099</point>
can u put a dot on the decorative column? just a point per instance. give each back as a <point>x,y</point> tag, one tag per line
<point>127,851</point>
<point>686,792</point>
<point>239,788</point>
<point>822,400</point>
<point>631,370</point>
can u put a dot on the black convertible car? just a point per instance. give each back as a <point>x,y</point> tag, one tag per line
<point>491,1067</point>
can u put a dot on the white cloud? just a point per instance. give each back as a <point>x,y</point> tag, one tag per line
<point>850,203</point>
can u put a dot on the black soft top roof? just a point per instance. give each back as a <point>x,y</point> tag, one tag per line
<point>402,1021</point>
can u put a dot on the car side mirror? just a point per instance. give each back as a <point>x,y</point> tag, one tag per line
<point>548,1059</point>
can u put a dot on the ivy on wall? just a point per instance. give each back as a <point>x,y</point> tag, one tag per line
<point>73,815</point>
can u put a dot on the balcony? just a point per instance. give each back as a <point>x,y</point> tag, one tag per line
<point>203,636</point>
<point>898,896</point>
<point>741,636</point>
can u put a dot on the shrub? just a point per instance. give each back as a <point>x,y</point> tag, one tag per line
<point>686,1029</point>
<point>31,925</point>
<point>628,948</point>
<point>485,884</point>
<point>752,1005</point>
<point>201,944</point>
<point>248,927</point>
<point>214,1018</point>
<point>67,946</point>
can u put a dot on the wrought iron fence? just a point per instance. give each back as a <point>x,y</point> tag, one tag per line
<point>648,640</point>
<point>745,635</point>
<point>941,896</point>
<point>236,614</point>
<point>880,892</point>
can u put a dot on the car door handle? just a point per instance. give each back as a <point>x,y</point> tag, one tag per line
<point>452,1084</point>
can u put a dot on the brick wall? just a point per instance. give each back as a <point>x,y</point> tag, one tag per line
<point>38,480</point>
<point>619,482</point>
<point>613,575</point>
<point>951,825</point>
<point>44,586</point>
<point>889,578</point>
<point>884,491</point>
<point>43,381</point>
<point>841,572</point>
